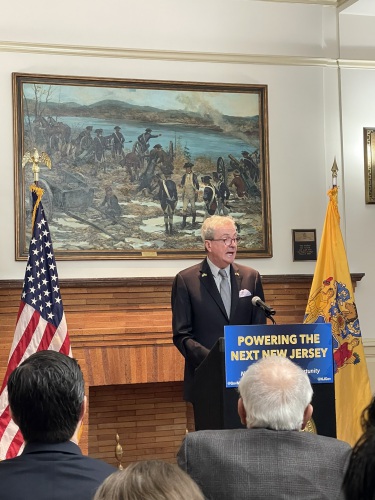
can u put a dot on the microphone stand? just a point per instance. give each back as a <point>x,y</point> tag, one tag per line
<point>269,315</point>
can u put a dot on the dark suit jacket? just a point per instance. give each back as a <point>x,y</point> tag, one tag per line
<point>256,464</point>
<point>198,312</point>
<point>51,472</point>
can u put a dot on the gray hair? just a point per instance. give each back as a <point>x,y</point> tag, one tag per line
<point>214,222</point>
<point>275,393</point>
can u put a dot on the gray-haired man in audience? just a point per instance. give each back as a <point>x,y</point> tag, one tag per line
<point>270,459</point>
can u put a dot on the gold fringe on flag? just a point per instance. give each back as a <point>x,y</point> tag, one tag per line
<point>39,192</point>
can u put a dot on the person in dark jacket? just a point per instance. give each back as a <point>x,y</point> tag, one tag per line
<point>47,401</point>
<point>359,481</point>
<point>198,310</point>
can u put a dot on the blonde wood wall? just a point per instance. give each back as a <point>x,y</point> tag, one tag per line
<point>120,331</point>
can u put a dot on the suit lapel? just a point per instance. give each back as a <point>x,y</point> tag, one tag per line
<point>208,281</point>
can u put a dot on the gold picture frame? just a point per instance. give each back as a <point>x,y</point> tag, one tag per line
<point>221,128</point>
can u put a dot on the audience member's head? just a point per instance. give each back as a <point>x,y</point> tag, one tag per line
<point>275,394</point>
<point>359,481</point>
<point>47,397</point>
<point>151,480</point>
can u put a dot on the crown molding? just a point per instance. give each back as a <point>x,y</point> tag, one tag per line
<point>182,56</point>
<point>356,64</point>
<point>165,55</point>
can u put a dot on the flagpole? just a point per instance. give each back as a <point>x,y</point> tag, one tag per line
<point>334,171</point>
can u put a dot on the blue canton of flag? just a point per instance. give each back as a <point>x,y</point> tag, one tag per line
<point>41,286</point>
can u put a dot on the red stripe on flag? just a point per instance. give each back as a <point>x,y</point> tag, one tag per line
<point>24,341</point>
<point>20,309</point>
<point>65,348</point>
<point>48,334</point>
<point>4,421</point>
<point>15,445</point>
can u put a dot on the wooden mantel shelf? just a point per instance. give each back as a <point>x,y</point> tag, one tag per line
<point>161,281</point>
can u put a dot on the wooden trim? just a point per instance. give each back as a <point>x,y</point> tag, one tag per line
<point>160,281</point>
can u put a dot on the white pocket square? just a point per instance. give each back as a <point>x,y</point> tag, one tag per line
<point>244,293</point>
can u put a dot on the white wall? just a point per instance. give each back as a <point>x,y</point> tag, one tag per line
<point>241,26</point>
<point>297,159</point>
<point>299,45</point>
<point>358,111</point>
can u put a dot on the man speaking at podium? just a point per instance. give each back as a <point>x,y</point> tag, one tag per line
<point>212,294</point>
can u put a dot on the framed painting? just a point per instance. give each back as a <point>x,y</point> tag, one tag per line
<point>138,165</point>
<point>369,154</point>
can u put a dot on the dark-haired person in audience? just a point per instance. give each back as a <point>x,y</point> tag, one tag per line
<point>149,480</point>
<point>270,459</point>
<point>47,401</point>
<point>359,481</point>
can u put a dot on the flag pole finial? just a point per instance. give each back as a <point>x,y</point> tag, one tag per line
<point>35,158</point>
<point>334,171</point>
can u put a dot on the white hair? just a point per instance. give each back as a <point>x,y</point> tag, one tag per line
<point>214,222</point>
<point>275,393</point>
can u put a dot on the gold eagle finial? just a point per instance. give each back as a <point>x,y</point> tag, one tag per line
<point>35,158</point>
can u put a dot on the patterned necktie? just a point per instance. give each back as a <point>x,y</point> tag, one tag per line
<point>225,290</point>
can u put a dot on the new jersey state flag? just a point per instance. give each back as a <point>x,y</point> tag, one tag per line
<point>41,323</point>
<point>331,300</point>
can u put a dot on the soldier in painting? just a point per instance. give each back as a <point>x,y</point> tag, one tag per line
<point>223,194</point>
<point>145,137</point>
<point>99,145</point>
<point>84,142</point>
<point>168,200</point>
<point>110,204</point>
<point>190,188</point>
<point>209,196</point>
<point>118,141</point>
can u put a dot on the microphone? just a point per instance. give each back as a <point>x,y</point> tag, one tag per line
<point>258,302</point>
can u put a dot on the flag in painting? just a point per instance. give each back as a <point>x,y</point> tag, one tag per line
<point>331,300</point>
<point>41,321</point>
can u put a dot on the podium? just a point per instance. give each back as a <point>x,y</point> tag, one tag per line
<point>215,405</point>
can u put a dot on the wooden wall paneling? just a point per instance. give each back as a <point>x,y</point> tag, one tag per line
<point>120,331</point>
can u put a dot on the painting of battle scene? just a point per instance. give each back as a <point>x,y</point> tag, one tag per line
<point>138,165</point>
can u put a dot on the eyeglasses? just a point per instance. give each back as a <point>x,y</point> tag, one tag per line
<point>228,241</point>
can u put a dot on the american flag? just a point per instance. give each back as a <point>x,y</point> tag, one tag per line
<point>41,321</point>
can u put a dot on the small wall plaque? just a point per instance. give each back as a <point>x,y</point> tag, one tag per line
<point>304,244</point>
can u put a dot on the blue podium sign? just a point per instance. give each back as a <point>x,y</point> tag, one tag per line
<point>308,345</point>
